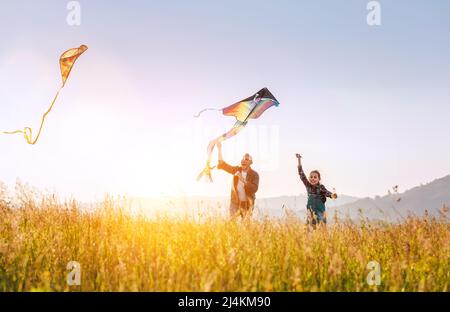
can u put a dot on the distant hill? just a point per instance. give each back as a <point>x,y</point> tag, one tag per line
<point>270,207</point>
<point>430,197</point>
<point>280,206</point>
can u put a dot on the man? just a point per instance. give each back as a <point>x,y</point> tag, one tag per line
<point>245,185</point>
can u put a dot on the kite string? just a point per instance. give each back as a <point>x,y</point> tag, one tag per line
<point>206,109</point>
<point>220,109</point>
<point>28,132</point>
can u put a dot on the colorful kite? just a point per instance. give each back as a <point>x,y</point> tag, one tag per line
<point>249,108</point>
<point>66,62</point>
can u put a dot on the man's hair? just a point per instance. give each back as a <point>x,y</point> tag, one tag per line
<point>317,172</point>
<point>247,155</point>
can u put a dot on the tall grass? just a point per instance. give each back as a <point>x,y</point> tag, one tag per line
<point>119,251</point>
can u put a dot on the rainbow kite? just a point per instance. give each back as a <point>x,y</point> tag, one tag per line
<point>249,108</point>
<point>66,62</point>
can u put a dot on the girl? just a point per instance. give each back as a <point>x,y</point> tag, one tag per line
<point>317,195</point>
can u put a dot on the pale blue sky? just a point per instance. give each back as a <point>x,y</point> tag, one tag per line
<point>367,106</point>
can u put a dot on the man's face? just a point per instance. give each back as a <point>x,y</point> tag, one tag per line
<point>246,161</point>
<point>313,178</point>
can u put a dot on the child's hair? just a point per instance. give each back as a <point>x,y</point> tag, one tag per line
<point>316,172</point>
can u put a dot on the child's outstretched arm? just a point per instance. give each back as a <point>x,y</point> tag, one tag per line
<point>300,171</point>
<point>327,193</point>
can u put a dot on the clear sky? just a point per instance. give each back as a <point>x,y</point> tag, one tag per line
<point>369,106</point>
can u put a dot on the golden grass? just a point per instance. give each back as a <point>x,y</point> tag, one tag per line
<point>120,252</point>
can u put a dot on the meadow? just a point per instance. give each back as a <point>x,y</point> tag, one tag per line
<point>121,251</point>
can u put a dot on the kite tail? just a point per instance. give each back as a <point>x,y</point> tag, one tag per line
<point>206,109</point>
<point>208,168</point>
<point>206,172</point>
<point>238,126</point>
<point>28,132</point>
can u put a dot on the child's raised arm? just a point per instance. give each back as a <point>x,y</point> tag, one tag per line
<point>300,171</point>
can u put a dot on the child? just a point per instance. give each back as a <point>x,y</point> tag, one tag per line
<point>317,195</point>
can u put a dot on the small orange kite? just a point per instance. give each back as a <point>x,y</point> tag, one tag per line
<point>66,62</point>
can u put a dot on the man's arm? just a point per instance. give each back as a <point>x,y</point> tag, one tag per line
<point>226,167</point>
<point>219,148</point>
<point>222,164</point>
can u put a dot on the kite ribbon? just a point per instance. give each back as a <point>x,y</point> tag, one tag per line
<point>28,132</point>
<point>66,62</point>
<point>238,126</point>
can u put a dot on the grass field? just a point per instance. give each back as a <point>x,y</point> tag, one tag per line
<point>120,252</point>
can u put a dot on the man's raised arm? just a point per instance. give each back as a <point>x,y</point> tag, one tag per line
<point>222,164</point>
